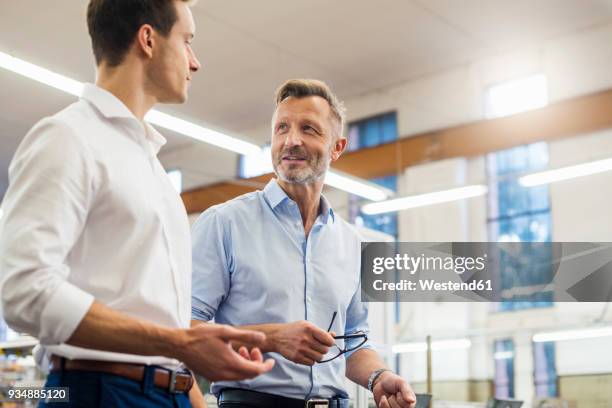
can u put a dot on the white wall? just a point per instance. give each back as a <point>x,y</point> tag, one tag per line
<point>575,65</point>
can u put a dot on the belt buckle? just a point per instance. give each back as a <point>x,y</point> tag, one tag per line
<point>172,383</point>
<point>316,403</point>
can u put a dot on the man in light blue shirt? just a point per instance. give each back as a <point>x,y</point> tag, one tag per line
<point>282,262</point>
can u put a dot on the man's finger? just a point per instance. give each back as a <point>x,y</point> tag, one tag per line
<point>401,401</point>
<point>322,337</point>
<point>244,353</point>
<point>256,354</point>
<point>313,355</point>
<point>318,347</point>
<point>229,333</point>
<point>393,402</point>
<point>407,393</point>
<point>243,368</point>
<point>384,403</point>
<point>304,360</point>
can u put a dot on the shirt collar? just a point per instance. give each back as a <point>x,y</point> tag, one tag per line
<point>275,195</point>
<point>111,107</point>
<point>108,104</point>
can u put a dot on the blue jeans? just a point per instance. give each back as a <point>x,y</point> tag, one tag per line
<point>89,389</point>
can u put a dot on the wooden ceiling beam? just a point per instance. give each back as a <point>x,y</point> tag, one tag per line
<point>573,117</point>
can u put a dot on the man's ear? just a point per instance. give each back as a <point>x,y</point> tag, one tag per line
<point>339,146</point>
<point>145,40</point>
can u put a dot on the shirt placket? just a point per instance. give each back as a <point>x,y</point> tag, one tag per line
<point>311,290</point>
<point>155,170</point>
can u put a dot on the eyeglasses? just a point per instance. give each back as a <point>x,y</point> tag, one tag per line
<point>345,337</point>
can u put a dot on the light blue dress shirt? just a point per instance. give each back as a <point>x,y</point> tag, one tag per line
<point>252,264</point>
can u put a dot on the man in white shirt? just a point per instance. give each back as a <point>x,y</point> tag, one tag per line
<point>95,253</point>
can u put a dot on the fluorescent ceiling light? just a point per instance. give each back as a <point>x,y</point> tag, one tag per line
<point>516,96</point>
<point>576,334</point>
<point>416,347</point>
<point>201,133</point>
<point>170,122</point>
<point>40,74</point>
<point>566,173</point>
<point>1,213</point>
<point>357,186</point>
<point>335,179</point>
<point>421,200</point>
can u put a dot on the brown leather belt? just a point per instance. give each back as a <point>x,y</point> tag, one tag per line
<point>173,381</point>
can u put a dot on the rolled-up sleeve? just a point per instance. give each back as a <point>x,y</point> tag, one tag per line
<point>45,210</point>
<point>211,265</point>
<point>357,321</point>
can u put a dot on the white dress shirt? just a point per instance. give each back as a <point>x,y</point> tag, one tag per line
<point>91,214</point>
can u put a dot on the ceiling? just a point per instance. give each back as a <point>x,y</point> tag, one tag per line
<point>248,48</point>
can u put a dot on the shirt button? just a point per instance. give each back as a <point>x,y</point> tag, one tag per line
<point>291,203</point>
<point>298,223</point>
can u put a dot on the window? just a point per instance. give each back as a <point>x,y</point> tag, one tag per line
<point>176,178</point>
<point>503,354</point>
<point>367,133</point>
<point>372,131</point>
<point>516,96</point>
<point>520,214</point>
<point>517,213</point>
<point>545,371</point>
<point>255,164</point>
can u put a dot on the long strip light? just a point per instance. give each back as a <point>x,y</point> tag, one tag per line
<point>155,117</point>
<point>184,127</point>
<point>201,133</point>
<point>357,186</point>
<point>575,334</point>
<point>41,74</point>
<point>417,347</point>
<point>421,200</point>
<point>566,173</point>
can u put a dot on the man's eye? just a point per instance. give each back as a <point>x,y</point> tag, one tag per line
<point>282,126</point>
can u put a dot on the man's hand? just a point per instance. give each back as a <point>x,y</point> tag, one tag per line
<point>392,391</point>
<point>301,342</point>
<point>207,350</point>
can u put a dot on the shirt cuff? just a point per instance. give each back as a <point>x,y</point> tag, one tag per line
<point>63,312</point>
<point>367,345</point>
<point>200,310</point>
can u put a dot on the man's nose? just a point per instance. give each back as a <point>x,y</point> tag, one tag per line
<point>293,138</point>
<point>194,64</point>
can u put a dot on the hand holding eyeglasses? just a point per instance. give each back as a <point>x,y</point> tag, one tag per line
<point>301,342</point>
<point>352,341</point>
<point>304,343</point>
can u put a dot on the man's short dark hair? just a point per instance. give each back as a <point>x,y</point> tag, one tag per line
<point>113,24</point>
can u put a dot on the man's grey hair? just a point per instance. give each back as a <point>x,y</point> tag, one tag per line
<point>301,88</point>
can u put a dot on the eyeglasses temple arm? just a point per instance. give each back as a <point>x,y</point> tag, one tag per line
<point>332,321</point>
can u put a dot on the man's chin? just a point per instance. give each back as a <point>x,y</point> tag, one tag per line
<point>296,177</point>
<point>175,98</point>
